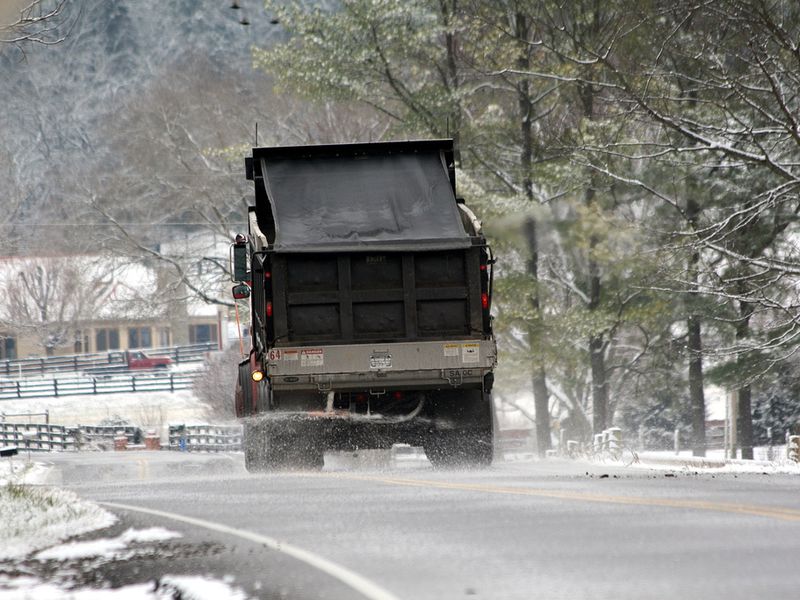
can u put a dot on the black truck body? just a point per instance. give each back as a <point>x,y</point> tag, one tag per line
<point>370,305</point>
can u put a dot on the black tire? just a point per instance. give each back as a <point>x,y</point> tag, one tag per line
<point>466,437</point>
<point>460,448</point>
<point>279,444</point>
<point>257,455</point>
<point>302,439</point>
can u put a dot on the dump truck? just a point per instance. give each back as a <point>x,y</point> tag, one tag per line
<point>370,287</point>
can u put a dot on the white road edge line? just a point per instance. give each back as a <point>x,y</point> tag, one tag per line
<point>350,578</point>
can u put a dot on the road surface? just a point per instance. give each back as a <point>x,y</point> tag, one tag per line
<point>549,529</point>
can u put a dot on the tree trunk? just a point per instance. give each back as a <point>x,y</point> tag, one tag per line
<point>597,359</point>
<point>448,11</point>
<point>539,379</point>
<point>696,394</point>
<point>599,384</point>
<point>745,424</point>
<point>695,347</point>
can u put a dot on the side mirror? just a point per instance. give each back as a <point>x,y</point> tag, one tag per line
<point>241,291</point>
<point>239,252</point>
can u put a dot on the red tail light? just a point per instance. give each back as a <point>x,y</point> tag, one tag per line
<point>269,310</point>
<point>485,301</point>
<point>398,395</point>
<point>361,397</point>
<point>267,275</point>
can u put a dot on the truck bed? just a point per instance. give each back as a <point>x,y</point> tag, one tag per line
<point>376,297</point>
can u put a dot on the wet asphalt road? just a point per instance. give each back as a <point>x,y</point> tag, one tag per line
<point>551,529</point>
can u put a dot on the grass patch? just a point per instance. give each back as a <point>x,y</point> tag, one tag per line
<point>33,517</point>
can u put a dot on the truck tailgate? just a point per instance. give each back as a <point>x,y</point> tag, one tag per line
<point>358,366</point>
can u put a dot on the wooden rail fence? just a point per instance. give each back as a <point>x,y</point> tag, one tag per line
<point>73,386</point>
<point>79,362</point>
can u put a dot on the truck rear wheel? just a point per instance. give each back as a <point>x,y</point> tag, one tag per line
<point>464,436</point>
<point>277,444</point>
<point>460,448</point>
<point>259,454</point>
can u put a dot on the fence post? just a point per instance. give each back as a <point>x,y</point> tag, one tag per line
<point>614,441</point>
<point>55,387</point>
<point>770,456</point>
<point>19,391</point>
<point>94,386</point>
<point>793,448</point>
<point>572,448</point>
<point>172,382</point>
<point>133,383</point>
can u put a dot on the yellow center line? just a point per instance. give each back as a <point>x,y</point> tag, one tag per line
<point>780,513</point>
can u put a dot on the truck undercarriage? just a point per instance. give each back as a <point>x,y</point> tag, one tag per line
<point>454,426</point>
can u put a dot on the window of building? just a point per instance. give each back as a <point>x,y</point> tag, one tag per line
<point>163,337</point>
<point>106,339</point>
<point>202,334</point>
<point>140,337</point>
<point>81,343</point>
<point>8,347</point>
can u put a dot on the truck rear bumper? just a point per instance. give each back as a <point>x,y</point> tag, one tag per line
<point>381,366</point>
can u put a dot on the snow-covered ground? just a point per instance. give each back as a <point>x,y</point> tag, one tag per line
<point>17,469</point>
<point>33,518</point>
<point>39,524</point>
<point>148,409</point>
<point>169,588</point>
<point>767,460</point>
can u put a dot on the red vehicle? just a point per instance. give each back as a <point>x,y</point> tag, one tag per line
<point>137,359</point>
<point>130,360</point>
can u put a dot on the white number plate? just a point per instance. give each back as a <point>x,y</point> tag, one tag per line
<point>380,361</point>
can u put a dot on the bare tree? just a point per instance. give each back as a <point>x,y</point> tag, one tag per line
<point>215,385</point>
<point>174,172</point>
<point>48,298</point>
<point>35,21</point>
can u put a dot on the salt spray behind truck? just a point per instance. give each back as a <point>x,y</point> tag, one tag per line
<point>370,287</point>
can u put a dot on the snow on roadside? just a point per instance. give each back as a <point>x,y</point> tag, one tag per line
<point>18,470</point>
<point>32,518</point>
<point>669,462</point>
<point>170,587</point>
<point>109,548</point>
<point>35,519</point>
<point>770,460</point>
<point>203,588</point>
